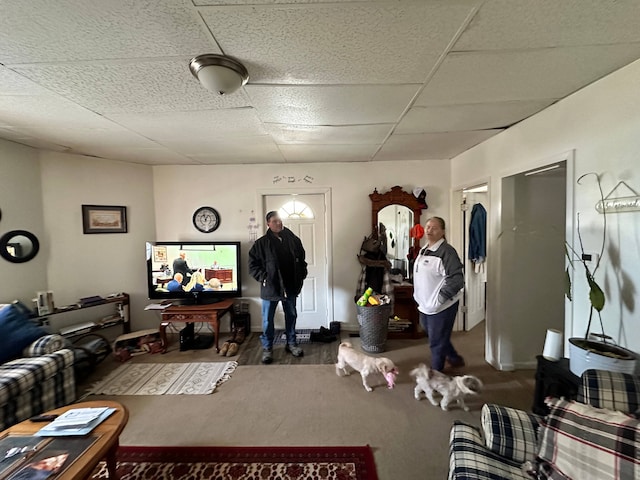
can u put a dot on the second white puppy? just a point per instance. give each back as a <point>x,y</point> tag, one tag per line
<point>452,389</point>
<point>366,365</point>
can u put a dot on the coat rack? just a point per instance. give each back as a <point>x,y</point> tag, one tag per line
<point>618,204</point>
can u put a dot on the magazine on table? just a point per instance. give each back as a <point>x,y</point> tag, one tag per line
<point>37,458</point>
<point>77,421</point>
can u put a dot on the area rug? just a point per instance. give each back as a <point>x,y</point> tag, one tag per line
<point>165,379</point>
<point>314,353</point>
<point>246,463</point>
<point>302,336</point>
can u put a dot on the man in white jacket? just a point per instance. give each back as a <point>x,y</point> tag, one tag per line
<point>437,287</point>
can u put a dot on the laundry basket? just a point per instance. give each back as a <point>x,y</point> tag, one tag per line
<point>374,323</point>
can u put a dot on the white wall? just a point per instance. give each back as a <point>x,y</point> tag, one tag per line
<point>81,265</point>
<point>21,205</point>
<point>601,124</point>
<point>234,192</point>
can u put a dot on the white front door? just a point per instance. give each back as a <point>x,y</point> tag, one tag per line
<point>309,225</point>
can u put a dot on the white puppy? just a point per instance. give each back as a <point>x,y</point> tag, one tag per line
<point>366,365</point>
<point>451,388</point>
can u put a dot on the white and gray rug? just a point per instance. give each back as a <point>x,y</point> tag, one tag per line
<point>165,379</point>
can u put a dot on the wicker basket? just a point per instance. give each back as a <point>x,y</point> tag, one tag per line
<point>374,323</point>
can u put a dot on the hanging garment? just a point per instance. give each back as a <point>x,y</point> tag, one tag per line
<point>478,234</point>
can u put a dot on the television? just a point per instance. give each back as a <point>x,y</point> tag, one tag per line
<point>193,272</point>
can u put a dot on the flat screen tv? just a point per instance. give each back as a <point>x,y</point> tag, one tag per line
<point>194,272</point>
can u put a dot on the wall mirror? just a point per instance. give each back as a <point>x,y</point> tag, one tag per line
<point>19,246</point>
<point>398,211</point>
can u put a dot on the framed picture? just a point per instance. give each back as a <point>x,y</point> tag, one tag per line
<point>104,219</point>
<point>160,254</point>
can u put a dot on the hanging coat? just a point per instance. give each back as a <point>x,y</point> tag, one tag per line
<point>478,234</point>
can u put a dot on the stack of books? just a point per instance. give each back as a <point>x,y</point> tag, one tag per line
<point>77,421</point>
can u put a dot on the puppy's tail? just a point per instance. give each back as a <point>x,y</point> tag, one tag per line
<point>346,344</point>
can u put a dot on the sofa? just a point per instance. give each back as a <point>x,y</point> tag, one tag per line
<point>595,437</point>
<point>36,368</point>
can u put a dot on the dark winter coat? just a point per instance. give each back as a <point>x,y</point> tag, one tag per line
<point>263,265</point>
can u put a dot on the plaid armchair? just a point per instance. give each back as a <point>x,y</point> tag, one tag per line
<point>42,380</point>
<point>586,439</point>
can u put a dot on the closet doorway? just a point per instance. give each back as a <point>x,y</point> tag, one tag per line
<point>471,200</point>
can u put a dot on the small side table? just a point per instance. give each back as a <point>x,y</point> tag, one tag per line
<point>553,379</point>
<point>195,313</point>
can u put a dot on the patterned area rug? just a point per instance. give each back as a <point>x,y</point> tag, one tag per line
<point>302,336</point>
<point>246,463</point>
<point>165,379</point>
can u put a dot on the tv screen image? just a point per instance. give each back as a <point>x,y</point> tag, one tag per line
<point>201,271</point>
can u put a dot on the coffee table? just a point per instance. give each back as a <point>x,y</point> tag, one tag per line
<point>107,439</point>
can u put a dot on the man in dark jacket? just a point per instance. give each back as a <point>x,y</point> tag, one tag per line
<point>277,261</point>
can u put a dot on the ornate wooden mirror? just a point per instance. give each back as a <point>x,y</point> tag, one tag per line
<point>398,211</point>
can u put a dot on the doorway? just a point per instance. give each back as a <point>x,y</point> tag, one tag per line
<point>305,215</point>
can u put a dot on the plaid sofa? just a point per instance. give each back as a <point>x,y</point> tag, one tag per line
<point>590,438</point>
<point>42,380</point>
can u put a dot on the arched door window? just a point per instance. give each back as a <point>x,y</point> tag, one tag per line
<point>295,209</point>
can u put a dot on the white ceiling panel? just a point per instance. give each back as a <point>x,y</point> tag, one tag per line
<point>125,87</point>
<point>328,135</point>
<point>526,24</point>
<point>480,116</point>
<point>216,145</point>
<point>147,156</point>
<point>14,84</point>
<point>205,124</point>
<point>331,104</point>
<point>431,146</point>
<point>241,151</point>
<point>486,77</point>
<point>338,43</point>
<point>327,153</point>
<point>71,30</point>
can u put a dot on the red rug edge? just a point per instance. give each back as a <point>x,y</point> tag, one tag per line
<point>277,453</point>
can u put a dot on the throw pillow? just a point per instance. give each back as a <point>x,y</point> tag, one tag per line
<point>584,442</point>
<point>612,390</point>
<point>17,331</point>
<point>509,432</point>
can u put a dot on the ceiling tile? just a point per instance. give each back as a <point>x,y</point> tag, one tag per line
<point>486,77</point>
<point>523,24</point>
<point>338,43</point>
<point>124,87</point>
<point>11,83</point>
<point>327,153</point>
<point>331,104</point>
<point>147,156</point>
<point>219,145</point>
<point>431,146</point>
<point>328,135</point>
<point>73,30</point>
<point>188,126</point>
<point>241,151</point>
<point>480,116</point>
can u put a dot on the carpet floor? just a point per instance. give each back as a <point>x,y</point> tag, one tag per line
<point>246,463</point>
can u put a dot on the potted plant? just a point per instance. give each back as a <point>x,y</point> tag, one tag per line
<point>586,353</point>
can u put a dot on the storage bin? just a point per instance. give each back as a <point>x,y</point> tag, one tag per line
<point>374,323</point>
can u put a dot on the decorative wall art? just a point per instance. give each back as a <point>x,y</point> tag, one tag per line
<point>104,219</point>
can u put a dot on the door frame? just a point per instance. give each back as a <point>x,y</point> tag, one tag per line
<point>326,193</point>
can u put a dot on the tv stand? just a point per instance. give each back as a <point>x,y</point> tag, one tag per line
<point>210,314</point>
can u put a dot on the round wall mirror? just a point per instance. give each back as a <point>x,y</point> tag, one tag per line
<point>19,246</point>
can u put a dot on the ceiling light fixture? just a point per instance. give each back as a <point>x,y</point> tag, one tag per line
<point>220,74</point>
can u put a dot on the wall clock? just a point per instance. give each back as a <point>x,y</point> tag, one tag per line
<point>206,219</point>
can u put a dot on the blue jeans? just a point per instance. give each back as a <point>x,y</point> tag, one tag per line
<point>290,316</point>
<point>438,327</point>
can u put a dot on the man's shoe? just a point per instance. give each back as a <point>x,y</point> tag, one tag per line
<point>322,337</point>
<point>294,350</point>
<point>240,335</point>
<point>267,356</point>
<point>224,349</point>
<point>456,362</point>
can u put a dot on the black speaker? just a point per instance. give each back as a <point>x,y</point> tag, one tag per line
<point>187,337</point>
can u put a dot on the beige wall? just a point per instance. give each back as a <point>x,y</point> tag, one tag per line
<point>21,205</point>
<point>600,125</point>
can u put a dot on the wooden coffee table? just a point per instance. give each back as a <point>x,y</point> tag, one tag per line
<point>107,437</point>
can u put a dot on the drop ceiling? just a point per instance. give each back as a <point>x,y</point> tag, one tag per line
<point>330,81</point>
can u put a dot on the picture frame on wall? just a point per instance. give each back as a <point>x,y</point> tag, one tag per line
<point>104,219</point>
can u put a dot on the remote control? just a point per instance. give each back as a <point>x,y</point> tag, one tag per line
<point>43,418</point>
